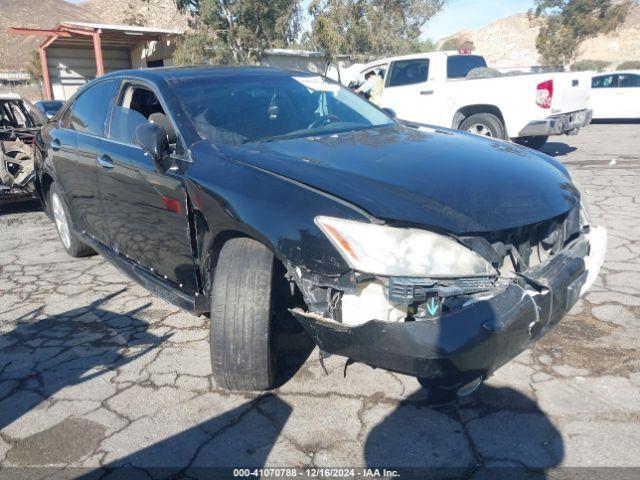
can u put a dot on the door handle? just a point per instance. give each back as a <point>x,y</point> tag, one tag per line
<point>426,92</point>
<point>55,144</point>
<point>105,162</point>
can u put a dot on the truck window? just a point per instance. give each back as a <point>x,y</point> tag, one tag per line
<point>604,81</point>
<point>627,80</point>
<point>408,72</point>
<point>458,66</point>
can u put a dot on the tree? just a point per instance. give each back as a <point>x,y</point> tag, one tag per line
<point>236,31</point>
<point>34,66</point>
<point>369,27</point>
<point>567,23</point>
<point>629,65</point>
<point>457,43</point>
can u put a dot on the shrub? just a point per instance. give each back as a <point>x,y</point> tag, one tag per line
<point>629,65</point>
<point>585,65</point>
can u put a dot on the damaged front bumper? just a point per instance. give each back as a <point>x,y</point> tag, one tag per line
<point>479,332</point>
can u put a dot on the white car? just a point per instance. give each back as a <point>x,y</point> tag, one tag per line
<point>448,89</point>
<point>616,94</point>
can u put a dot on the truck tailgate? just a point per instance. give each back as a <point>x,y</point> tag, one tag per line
<point>571,92</point>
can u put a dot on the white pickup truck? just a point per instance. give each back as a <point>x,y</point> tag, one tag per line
<point>443,88</point>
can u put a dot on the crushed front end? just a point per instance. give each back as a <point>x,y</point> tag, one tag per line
<point>16,163</point>
<point>457,329</point>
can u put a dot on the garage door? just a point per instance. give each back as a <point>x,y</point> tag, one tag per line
<point>70,68</point>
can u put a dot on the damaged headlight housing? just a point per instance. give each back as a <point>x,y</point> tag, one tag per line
<point>406,252</point>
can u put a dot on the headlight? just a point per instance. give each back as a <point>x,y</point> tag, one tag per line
<point>406,252</point>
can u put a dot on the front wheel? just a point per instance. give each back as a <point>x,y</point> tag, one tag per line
<point>241,334</point>
<point>485,125</point>
<point>64,225</point>
<point>532,142</point>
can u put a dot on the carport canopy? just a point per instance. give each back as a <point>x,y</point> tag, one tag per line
<point>78,34</point>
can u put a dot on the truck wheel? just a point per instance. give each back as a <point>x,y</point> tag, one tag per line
<point>532,142</point>
<point>485,125</point>
<point>67,233</point>
<point>241,338</point>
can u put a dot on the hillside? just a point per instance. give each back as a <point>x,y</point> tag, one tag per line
<point>511,42</point>
<point>16,50</point>
<point>150,13</point>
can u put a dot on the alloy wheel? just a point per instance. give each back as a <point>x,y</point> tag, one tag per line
<point>61,220</point>
<point>480,129</point>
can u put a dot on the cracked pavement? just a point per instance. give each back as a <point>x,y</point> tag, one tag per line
<point>95,371</point>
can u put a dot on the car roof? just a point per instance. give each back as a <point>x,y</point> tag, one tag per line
<point>171,73</point>
<point>604,74</point>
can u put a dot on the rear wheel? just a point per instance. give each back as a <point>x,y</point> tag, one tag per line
<point>241,334</point>
<point>484,124</point>
<point>532,142</point>
<point>66,231</point>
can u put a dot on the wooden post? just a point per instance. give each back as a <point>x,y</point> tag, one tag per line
<point>45,74</point>
<point>97,50</point>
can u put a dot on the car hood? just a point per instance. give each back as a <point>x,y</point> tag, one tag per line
<point>444,179</point>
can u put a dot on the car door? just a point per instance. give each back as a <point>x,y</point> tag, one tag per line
<point>604,99</point>
<point>409,92</point>
<point>146,210</point>
<point>75,145</point>
<point>628,92</point>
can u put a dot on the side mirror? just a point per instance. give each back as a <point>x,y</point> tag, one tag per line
<point>390,112</point>
<point>153,140</point>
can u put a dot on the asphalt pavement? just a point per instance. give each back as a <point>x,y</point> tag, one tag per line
<point>95,371</point>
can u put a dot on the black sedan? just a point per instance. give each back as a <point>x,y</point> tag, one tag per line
<point>243,193</point>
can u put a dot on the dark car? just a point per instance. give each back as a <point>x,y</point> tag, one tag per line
<point>248,193</point>
<point>49,107</point>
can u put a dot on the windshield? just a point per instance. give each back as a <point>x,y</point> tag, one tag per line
<point>240,109</point>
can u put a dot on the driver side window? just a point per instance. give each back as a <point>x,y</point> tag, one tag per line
<point>138,105</point>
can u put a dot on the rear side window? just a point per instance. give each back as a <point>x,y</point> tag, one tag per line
<point>604,81</point>
<point>627,80</point>
<point>408,72</point>
<point>90,110</point>
<point>458,66</point>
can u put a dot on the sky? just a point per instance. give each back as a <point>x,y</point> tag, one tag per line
<point>459,15</point>
<point>471,14</point>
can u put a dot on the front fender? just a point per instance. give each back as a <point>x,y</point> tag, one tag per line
<point>230,198</point>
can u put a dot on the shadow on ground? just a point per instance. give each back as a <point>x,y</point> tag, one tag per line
<point>239,438</point>
<point>557,149</point>
<point>498,433</point>
<point>495,433</point>
<point>41,357</point>
<point>20,206</point>
<point>620,121</point>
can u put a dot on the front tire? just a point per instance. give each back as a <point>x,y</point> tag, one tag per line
<point>64,225</point>
<point>532,142</point>
<point>485,125</point>
<point>241,334</point>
